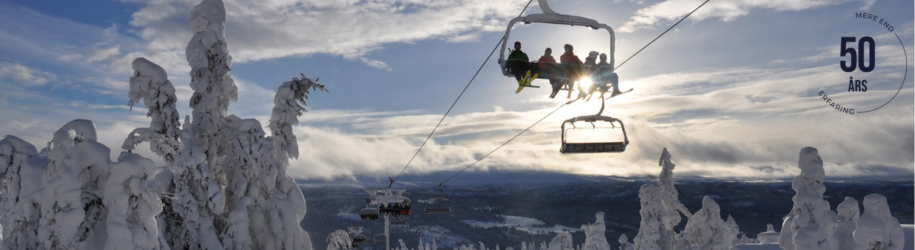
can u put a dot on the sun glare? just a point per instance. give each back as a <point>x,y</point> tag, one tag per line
<point>586,83</point>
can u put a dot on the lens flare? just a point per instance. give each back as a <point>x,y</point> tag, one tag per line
<point>586,83</point>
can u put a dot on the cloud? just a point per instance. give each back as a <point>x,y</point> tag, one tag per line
<point>104,54</point>
<point>672,10</point>
<point>728,123</point>
<point>25,75</point>
<point>351,29</point>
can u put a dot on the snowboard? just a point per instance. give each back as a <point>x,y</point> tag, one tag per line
<point>526,82</point>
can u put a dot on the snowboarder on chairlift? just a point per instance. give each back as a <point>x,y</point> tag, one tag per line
<point>518,63</point>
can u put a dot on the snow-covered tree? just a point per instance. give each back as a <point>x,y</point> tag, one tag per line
<point>733,231</point>
<point>670,202</point>
<point>150,84</point>
<point>62,210</point>
<point>562,241</point>
<point>706,230</point>
<point>811,221</point>
<point>877,229</point>
<point>769,236</point>
<point>595,234</point>
<point>624,243</point>
<point>650,227</point>
<point>132,206</point>
<point>208,55</point>
<point>847,214</point>
<point>20,167</point>
<point>338,240</point>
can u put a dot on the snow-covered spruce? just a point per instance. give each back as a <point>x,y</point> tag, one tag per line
<point>706,230</point>
<point>808,224</point>
<point>876,228</point>
<point>150,84</point>
<point>21,169</point>
<point>847,214</point>
<point>595,234</point>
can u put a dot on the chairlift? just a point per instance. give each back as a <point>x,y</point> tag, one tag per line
<point>437,205</point>
<point>379,237</point>
<point>557,71</point>
<point>593,134</point>
<point>369,213</point>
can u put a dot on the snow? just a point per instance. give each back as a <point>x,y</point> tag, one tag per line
<point>530,225</point>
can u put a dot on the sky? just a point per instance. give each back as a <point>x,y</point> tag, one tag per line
<point>734,91</point>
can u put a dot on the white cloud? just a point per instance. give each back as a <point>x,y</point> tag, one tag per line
<point>672,10</point>
<point>351,29</point>
<point>104,54</point>
<point>25,75</point>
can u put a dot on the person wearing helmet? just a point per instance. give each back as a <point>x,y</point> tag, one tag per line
<point>518,62</point>
<point>607,76</point>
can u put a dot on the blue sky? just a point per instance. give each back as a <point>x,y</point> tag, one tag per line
<point>732,92</point>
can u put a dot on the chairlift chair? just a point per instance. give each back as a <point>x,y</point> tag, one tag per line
<point>596,136</point>
<point>437,205</point>
<point>554,71</point>
<point>369,213</point>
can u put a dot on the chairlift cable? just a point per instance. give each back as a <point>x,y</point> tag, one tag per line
<point>455,102</point>
<point>665,32</point>
<point>503,144</point>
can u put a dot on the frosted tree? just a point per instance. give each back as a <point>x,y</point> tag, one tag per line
<point>847,214</point>
<point>288,200</point>
<point>20,166</point>
<point>562,241</point>
<point>668,193</point>
<point>62,210</point>
<point>769,236</point>
<point>150,84</point>
<point>179,218</point>
<point>624,243</point>
<point>810,221</point>
<point>731,237</point>
<point>595,234</point>
<point>286,112</point>
<point>132,206</point>
<point>338,240</point>
<point>877,229</point>
<point>650,227</point>
<point>208,55</point>
<point>706,230</point>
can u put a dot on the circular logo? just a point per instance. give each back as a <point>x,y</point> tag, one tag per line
<point>858,59</point>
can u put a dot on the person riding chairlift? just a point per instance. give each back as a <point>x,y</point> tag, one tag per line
<point>518,62</point>
<point>608,79</point>
<point>545,63</point>
<point>572,65</point>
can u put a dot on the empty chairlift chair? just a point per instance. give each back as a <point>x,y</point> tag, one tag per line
<point>437,205</point>
<point>593,134</point>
